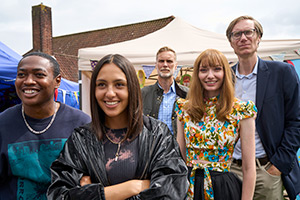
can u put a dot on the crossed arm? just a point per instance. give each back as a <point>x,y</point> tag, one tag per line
<point>120,191</point>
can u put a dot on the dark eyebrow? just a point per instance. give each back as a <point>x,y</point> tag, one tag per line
<point>117,80</point>
<point>35,69</point>
<point>100,80</point>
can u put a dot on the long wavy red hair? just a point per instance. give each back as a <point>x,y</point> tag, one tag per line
<point>196,104</point>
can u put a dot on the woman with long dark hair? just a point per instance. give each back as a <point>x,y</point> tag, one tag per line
<point>121,154</point>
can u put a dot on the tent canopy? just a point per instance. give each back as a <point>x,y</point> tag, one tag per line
<point>188,41</point>
<point>8,66</point>
<point>68,91</point>
<point>9,60</point>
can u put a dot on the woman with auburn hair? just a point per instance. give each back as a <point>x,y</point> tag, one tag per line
<point>210,121</point>
<point>121,154</point>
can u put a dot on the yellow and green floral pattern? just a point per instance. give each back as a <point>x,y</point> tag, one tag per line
<point>212,140</point>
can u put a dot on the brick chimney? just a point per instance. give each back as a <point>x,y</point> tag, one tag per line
<point>42,29</point>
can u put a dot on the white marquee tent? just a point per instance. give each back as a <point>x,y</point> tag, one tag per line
<point>188,41</point>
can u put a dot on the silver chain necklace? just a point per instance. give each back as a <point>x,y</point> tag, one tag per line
<point>42,131</point>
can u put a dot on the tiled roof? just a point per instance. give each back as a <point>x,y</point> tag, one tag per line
<point>65,48</point>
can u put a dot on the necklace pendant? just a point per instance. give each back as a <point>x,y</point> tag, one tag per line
<point>117,156</point>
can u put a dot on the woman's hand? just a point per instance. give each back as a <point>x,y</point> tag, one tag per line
<point>122,190</point>
<point>142,184</point>
<point>125,190</point>
<point>85,180</point>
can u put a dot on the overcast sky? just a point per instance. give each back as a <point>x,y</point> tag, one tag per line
<point>280,18</point>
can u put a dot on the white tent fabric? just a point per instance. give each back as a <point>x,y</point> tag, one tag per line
<point>188,41</point>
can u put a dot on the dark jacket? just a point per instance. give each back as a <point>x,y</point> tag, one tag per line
<point>159,160</point>
<point>152,97</point>
<point>278,119</point>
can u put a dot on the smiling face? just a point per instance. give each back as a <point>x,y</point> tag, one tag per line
<point>166,64</point>
<point>245,46</point>
<point>111,92</point>
<point>35,83</point>
<point>211,78</point>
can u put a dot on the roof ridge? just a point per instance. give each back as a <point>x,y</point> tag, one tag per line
<point>144,22</point>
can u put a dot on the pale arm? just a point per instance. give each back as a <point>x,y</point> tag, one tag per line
<point>121,191</point>
<point>247,132</point>
<point>180,139</point>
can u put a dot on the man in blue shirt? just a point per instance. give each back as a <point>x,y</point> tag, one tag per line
<point>159,98</point>
<point>275,89</point>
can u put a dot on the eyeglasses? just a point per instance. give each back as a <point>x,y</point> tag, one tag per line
<point>238,34</point>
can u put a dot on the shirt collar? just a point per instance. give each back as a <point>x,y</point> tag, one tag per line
<point>172,89</point>
<point>254,72</point>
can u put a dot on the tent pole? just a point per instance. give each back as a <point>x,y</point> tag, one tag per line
<point>80,89</point>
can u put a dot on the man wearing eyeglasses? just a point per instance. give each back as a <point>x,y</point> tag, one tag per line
<point>274,87</point>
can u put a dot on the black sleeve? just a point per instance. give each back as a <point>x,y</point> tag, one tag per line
<point>168,171</point>
<point>67,171</point>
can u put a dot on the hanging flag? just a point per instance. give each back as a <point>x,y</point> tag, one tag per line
<point>176,71</point>
<point>93,63</point>
<point>148,69</point>
<point>278,57</point>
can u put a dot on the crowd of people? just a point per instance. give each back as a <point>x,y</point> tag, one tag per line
<point>232,134</point>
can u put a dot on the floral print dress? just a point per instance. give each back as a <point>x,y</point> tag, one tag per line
<point>211,140</point>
